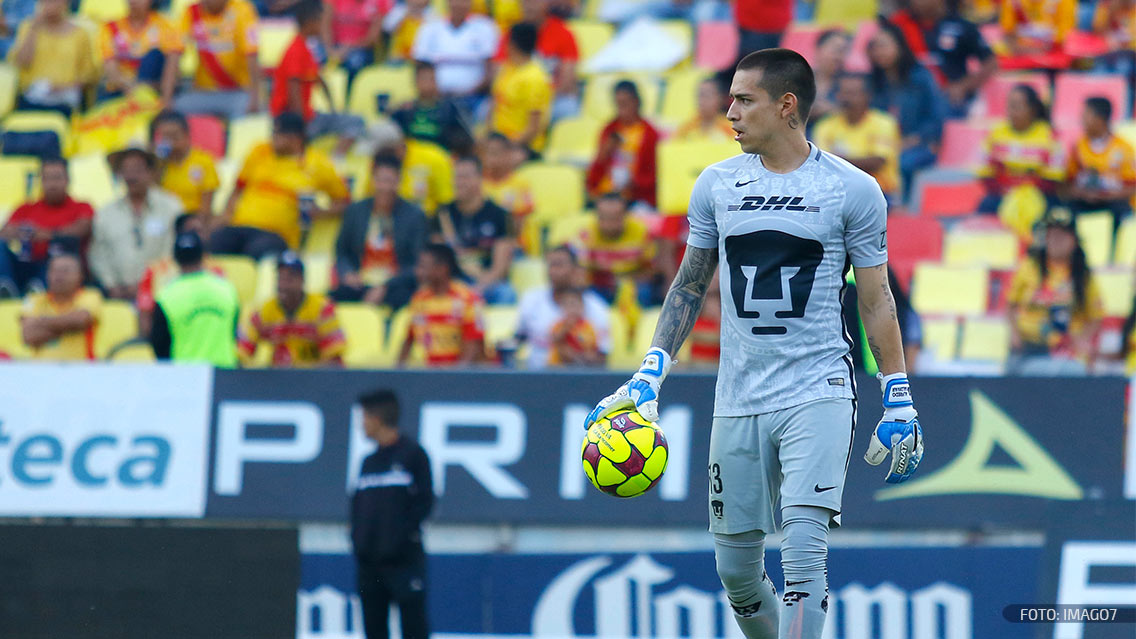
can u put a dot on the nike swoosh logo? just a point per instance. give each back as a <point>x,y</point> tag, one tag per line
<point>796,583</point>
<point>821,490</point>
<point>741,184</point>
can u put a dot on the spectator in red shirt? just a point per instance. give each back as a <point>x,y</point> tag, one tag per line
<point>556,50</point>
<point>354,28</point>
<point>761,23</point>
<point>626,160</point>
<point>446,317</point>
<point>35,225</point>
<point>299,72</point>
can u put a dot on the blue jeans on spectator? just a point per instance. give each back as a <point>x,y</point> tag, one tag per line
<point>344,125</point>
<point>355,61</point>
<point>500,294</point>
<point>227,104</point>
<point>17,276</point>
<point>912,160</point>
<point>150,69</point>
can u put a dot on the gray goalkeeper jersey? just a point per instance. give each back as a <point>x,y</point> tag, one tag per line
<point>784,243</point>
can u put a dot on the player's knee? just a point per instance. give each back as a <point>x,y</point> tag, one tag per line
<point>804,549</point>
<point>739,560</point>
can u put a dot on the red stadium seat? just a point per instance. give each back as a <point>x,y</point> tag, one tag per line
<point>857,61</point>
<point>1071,90</point>
<point>717,46</point>
<point>1085,44</point>
<point>912,240</point>
<point>952,198</point>
<point>208,134</point>
<point>802,39</point>
<point>997,90</point>
<point>962,144</point>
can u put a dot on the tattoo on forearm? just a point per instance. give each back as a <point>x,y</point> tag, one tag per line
<point>876,352</point>
<point>684,300</point>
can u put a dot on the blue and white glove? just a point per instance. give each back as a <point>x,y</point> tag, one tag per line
<point>641,392</point>
<point>898,432</point>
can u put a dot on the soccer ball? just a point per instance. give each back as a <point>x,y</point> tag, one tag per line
<point>624,455</point>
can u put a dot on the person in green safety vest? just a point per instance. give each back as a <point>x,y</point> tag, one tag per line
<point>195,318</point>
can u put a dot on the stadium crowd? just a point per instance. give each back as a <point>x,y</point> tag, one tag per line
<point>502,182</point>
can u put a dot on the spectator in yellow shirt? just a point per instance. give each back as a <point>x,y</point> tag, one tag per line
<point>619,247</point>
<point>188,173</point>
<point>1036,26</point>
<point>502,184</point>
<point>228,77</point>
<point>300,328</point>
<point>140,48</point>
<point>1021,150</point>
<point>1102,166</point>
<point>60,324</point>
<point>275,194</point>
<point>522,92</point>
<point>1055,303</point>
<point>55,58</point>
<point>709,124</point>
<point>867,138</point>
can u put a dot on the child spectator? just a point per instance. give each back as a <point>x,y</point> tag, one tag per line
<point>539,310</point>
<point>445,314</point>
<point>1102,166</point>
<point>574,339</point>
<point>60,323</point>
<point>556,50</point>
<point>187,172</point>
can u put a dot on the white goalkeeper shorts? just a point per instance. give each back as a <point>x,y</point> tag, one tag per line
<point>792,457</point>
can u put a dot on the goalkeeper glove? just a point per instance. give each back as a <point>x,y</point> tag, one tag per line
<point>641,392</point>
<point>898,431</point>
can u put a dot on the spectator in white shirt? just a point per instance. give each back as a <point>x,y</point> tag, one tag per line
<point>539,312</point>
<point>460,46</point>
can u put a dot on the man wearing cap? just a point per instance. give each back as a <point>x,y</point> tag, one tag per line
<point>134,230</point>
<point>300,328</point>
<point>275,194</point>
<point>195,318</point>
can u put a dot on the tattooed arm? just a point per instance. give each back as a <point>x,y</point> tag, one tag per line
<point>684,300</point>
<point>877,311</point>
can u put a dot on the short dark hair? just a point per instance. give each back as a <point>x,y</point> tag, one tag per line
<point>523,36</point>
<point>289,123</point>
<point>388,160</point>
<point>612,196</point>
<point>444,254</point>
<point>423,65</point>
<point>171,117</point>
<point>783,71</point>
<point>568,250</point>
<point>307,10</point>
<point>54,160</point>
<point>383,404</point>
<point>1100,107</point>
<point>470,159</point>
<point>629,87</point>
<point>181,220</point>
<point>851,75</point>
<point>497,136</point>
<point>829,34</point>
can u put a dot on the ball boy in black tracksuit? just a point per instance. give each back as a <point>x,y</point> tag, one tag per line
<point>394,495</point>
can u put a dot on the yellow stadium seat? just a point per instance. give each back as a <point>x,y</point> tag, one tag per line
<point>680,163</point>
<point>985,339</point>
<point>645,329</point>
<point>362,326</point>
<point>1125,254</point>
<point>500,324</point>
<point>574,141</point>
<point>954,290</point>
<point>336,80</point>
<point>527,273</point>
<point>841,12</point>
<point>993,249</point>
<point>20,177</point>
<point>561,188</point>
<point>138,351</point>
<point>568,229</point>
<point>397,334</point>
<point>317,272</point>
<point>1116,287</point>
<point>680,95</point>
<point>227,171</point>
<point>274,37</point>
<point>599,104</point>
<point>247,132</point>
<point>11,335</point>
<point>9,79</point>
<point>1127,131</point>
<point>322,235</point>
<point>241,272</point>
<point>102,10</point>
<point>940,337</point>
<point>1095,231</point>
<point>265,281</point>
<point>591,36</point>
<point>91,180</point>
<point>41,121</point>
<point>621,357</point>
<point>118,323</point>
<point>388,86</point>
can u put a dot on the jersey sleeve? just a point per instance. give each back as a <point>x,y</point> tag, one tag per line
<point>332,342</point>
<point>865,223</point>
<point>700,214</point>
